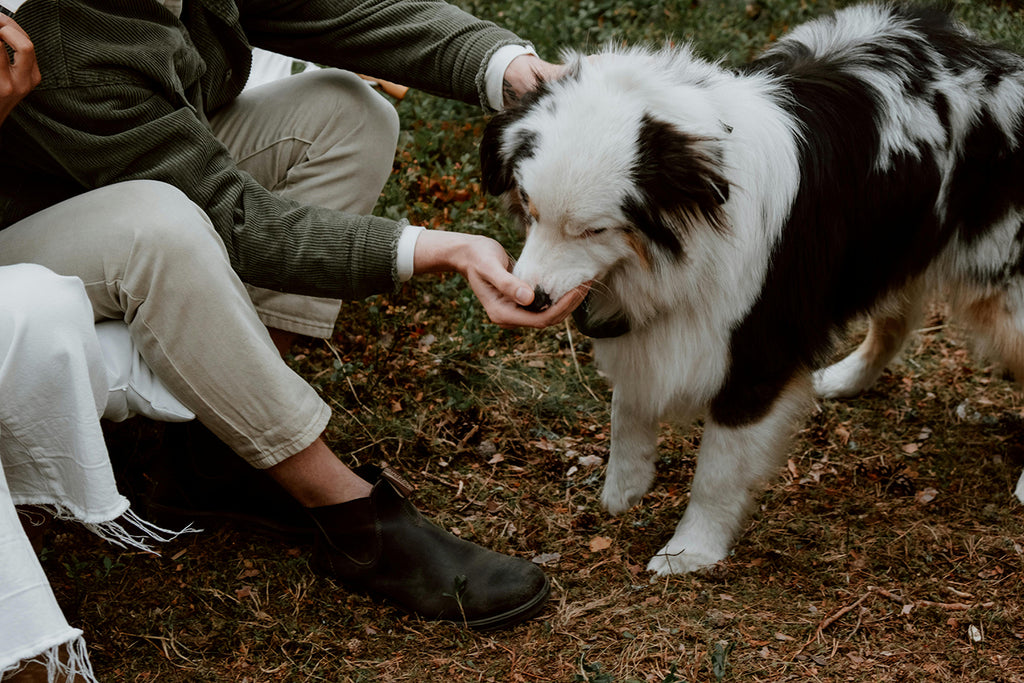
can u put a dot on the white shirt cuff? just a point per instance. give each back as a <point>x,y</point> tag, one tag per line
<point>405,258</point>
<point>494,77</point>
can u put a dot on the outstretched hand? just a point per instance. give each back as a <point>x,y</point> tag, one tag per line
<point>20,73</point>
<point>485,265</point>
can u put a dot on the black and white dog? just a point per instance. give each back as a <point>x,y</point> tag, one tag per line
<point>732,222</point>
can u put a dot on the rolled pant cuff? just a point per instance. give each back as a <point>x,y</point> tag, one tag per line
<point>262,456</point>
<point>306,315</point>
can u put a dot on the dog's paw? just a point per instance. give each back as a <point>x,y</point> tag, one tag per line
<point>844,379</point>
<point>618,500</point>
<point>675,558</point>
<point>624,489</point>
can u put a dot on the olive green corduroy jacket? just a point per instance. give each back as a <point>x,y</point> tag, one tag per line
<point>127,86</point>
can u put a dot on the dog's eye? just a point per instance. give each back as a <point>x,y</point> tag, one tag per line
<point>591,233</point>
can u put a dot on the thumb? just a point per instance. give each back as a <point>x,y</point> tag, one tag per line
<point>513,288</point>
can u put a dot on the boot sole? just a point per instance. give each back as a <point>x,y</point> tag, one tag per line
<point>513,617</point>
<point>493,623</point>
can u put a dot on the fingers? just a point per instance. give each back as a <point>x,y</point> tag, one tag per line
<point>485,264</point>
<point>508,314</point>
<point>511,287</point>
<point>21,73</point>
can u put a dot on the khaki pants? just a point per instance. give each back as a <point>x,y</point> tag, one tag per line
<point>323,138</point>
<point>149,256</point>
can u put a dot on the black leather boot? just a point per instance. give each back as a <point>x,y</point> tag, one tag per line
<point>383,546</point>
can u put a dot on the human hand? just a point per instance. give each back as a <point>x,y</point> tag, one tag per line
<point>19,74</point>
<point>524,73</point>
<point>485,265</point>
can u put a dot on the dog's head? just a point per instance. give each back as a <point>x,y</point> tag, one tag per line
<point>606,173</point>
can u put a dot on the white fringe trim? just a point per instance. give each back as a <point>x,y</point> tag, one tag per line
<point>114,531</point>
<point>72,664</point>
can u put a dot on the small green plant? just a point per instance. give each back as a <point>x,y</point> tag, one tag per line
<point>592,673</point>
<point>459,584</point>
<point>720,658</point>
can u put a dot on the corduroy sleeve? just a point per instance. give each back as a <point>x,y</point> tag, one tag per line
<point>425,44</point>
<point>108,111</point>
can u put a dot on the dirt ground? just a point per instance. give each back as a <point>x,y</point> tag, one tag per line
<point>888,549</point>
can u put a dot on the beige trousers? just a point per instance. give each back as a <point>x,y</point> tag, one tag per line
<point>323,138</point>
<point>149,256</point>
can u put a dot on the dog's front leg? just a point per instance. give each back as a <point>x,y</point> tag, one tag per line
<point>732,461</point>
<point>633,452</point>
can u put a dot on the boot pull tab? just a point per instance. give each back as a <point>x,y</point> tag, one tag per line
<point>400,484</point>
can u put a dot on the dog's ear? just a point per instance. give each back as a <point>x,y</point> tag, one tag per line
<point>497,162</point>
<point>680,174</point>
<point>495,168</point>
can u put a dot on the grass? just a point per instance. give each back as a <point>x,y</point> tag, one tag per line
<point>889,548</point>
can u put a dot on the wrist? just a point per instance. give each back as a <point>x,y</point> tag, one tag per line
<point>439,251</point>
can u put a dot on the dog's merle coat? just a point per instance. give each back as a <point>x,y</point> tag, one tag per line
<point>733,222</point>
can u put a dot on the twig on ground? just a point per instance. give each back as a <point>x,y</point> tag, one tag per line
<point>955,606</point>
<point>576,363</point>
<point>908,606</point>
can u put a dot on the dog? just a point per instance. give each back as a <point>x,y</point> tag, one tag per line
<point>730,223</point>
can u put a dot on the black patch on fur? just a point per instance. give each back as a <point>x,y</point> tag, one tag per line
<point>497,170</point>
<point>988,180</point>
<point>678,176</point>
<point>599,328</point>
<point>855,233</point>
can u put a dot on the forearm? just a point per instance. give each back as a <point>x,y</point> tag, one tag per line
<point>425,44</point>
<point>272,242</point>
<point>441,251</point>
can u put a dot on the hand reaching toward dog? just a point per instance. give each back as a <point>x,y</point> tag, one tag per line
<point>20,73</point>
<point>485,265</point>
<point>523,75</point>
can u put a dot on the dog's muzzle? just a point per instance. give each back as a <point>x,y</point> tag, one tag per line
<point>541,301</point>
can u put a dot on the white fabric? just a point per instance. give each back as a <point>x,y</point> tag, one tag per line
<point>32,623</point>
<point>270,66</point>
<point>12,5</point>
<point>53,387</point>
<point>405,258</point>
<point>494,77</point>
<point>132,386</point>
<point>1020,488</point>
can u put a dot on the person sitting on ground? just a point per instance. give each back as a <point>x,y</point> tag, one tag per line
<point>153,258</point>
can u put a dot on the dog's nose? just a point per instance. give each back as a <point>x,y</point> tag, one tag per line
<point>541,300</point>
